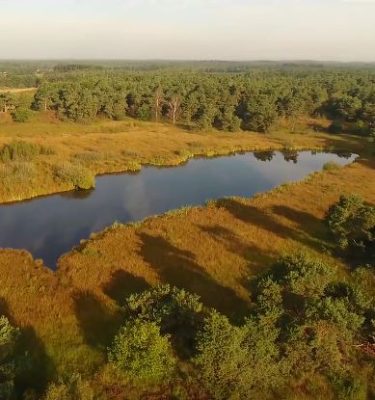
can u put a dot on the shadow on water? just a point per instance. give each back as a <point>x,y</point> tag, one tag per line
<point>123,284</point>
<point>179,268</point>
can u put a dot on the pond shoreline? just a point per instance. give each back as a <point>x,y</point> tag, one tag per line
<point>179,163</point>
<point>54,224</point>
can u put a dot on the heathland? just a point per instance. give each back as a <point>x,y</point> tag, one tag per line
<point>265,297</point>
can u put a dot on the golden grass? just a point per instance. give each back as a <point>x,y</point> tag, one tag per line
<point>70,316</point>
<point>211,250</point>
<point>109,146</point>
<point>17,90</point>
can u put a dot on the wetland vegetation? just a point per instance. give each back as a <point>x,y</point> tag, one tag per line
<point>268,297</point>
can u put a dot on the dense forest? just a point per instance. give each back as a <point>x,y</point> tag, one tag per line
<point>223,96</point>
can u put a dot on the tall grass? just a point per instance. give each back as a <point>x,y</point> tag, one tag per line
<point>23,151</point>
<point>75,174</point>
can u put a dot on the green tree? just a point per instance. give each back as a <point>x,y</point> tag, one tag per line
<point>352,222</point>
<point>142,353</point>
<point>8,366</point>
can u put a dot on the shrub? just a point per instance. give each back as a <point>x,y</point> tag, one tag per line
<point>142,353</point>
<point>331,166</point>
<point>75,174</point>
<point>348,388</point>
<point>8,339</point>
<point>352,224</point>
<point>305,275</point>
<point>21,114</point>
<point>19,151</point>
<point>237,362</point>
<point>88,157</point>
<point>176,311</point>
<point>336,127</point>
<point>17,173</point>
<point>74,389</point>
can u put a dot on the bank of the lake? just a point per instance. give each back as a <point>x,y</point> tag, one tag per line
<point>72,153</point>
<point>53,224</point>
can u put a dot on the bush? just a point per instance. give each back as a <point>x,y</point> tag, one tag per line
<point>352,224</point>
<point>336,127</point>
<point>75,174</point>
<point>331,166</point>
<point>237,362</point>
<point>17,173</point>
<point>19,151</point>
<point>74,389</point>
<point>8,339</point>
<point>21,114</point>
<point>165,305</point>
<point>142,353</point>
<point>176,311</point>
<point>305,275</point>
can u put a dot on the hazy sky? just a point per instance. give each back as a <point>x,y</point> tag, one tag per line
<point>188,29</point>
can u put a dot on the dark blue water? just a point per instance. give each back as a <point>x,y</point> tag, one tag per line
<point>50,226</point>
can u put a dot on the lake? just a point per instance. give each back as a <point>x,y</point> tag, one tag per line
<point>50,226</point>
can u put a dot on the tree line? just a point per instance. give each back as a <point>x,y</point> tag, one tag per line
<point>252,100</point>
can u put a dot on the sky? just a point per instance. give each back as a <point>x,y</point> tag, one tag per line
<point>332,30</point>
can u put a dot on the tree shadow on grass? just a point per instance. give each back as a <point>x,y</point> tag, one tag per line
<point>179,268</point>
<point>37,368</point>
<point>306,222</point>
<point>123,284</point>
<point>252,215</point>
<point>97,322</point>
<point>4,311</point>
<point>257,259</point>
<point>235,245</point>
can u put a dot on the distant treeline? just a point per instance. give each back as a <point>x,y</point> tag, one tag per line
<point>252,100</point>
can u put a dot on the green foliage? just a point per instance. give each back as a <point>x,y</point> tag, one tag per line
<point>306,276</point>
<point>352,223</point>
<point>21,114</point>
<point>74,389</point>
<point>318,315</point>
<point>331,166</point>
<point>351,388</point>
<point>177,312</point>
<point>251,101</point>
<point>75,174</point>
<point>8,367</point>
<point>336,127</point>
<point>19,151</point>
<point>237,362</point>
<point>17,173</point>
<point>142,353</point>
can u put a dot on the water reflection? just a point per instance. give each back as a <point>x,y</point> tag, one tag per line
<point>264,155</point>
<point>49,226</point>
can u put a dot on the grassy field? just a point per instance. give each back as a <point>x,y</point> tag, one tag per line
<point>18,90</point>
<point>70,316</point>
<point>109,146</point>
